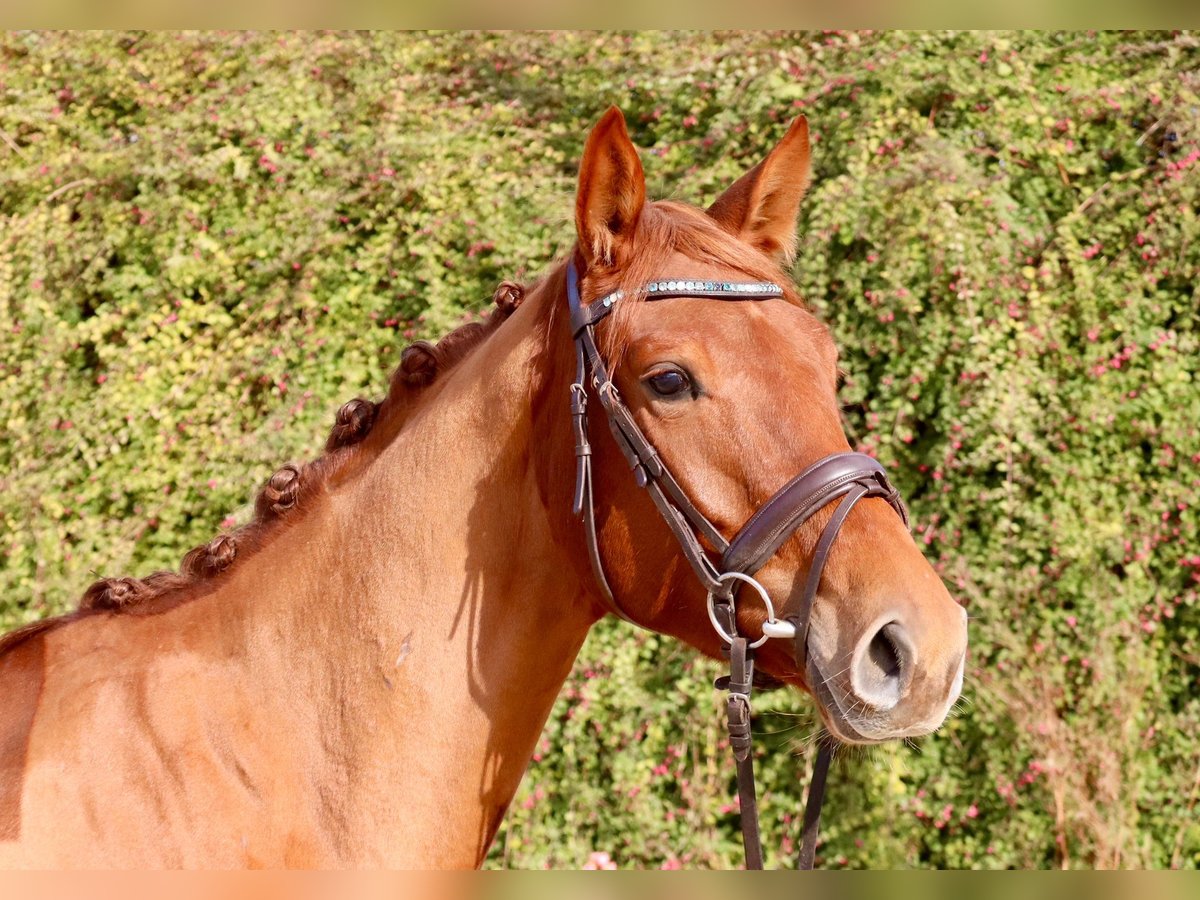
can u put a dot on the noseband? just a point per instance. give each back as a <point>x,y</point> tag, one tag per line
<point>848,476</point>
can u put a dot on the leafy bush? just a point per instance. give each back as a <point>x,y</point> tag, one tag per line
<point>212,239</point>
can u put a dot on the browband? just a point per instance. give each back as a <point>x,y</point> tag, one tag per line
<point>584,316</point>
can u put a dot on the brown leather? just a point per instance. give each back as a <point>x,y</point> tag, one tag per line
<point>812,809</point>
<point>851,476</point>
<point>796,502</point>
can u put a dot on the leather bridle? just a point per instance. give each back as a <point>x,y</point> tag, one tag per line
<point>848,476</point>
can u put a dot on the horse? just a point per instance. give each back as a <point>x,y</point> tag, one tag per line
<point>359,677</point>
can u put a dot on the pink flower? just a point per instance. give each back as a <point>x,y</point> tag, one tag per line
<point>599,860</point>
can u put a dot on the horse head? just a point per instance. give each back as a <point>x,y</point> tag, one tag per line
<point>736,398</point>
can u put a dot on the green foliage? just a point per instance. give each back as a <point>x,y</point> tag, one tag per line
<point>212,240</point>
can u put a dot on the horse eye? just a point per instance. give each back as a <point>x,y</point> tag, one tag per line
<point>669,383</point>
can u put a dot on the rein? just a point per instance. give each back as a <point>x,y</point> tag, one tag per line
<point>849,476</point>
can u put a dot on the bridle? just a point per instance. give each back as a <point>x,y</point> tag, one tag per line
<point>848,476</point>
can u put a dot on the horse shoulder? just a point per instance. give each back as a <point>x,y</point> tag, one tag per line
<point>139,741</point>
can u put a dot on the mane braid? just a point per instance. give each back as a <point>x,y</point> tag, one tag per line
<point>421,363</point>
<point>664,227</point>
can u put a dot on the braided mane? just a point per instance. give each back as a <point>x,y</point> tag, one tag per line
<point>664,227</point>
<point>421,364</point>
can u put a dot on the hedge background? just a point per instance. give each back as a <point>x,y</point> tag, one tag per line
<point>211,240</point>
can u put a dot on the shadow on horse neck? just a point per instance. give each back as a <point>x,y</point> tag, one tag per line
<point>407,620</point>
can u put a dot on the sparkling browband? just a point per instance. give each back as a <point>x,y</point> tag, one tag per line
<point>679,288</point>
<point>584,316</point>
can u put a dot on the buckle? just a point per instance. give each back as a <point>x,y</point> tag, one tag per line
<point>772,628</point>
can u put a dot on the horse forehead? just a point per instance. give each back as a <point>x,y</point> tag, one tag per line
<point>680,265</point>
<point>771,332</point>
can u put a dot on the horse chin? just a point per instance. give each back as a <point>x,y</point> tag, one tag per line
<point>861,730</point>
<point>836,722</point>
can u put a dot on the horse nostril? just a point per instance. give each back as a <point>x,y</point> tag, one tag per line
<point>882,666</point>
<point>882,653</point>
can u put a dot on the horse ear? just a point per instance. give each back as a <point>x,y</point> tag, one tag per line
<point>761,206</point>
<point>612,191</point>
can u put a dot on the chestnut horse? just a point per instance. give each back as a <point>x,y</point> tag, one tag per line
<point>360,676</point>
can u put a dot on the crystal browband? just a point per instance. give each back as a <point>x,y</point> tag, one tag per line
<point>678,288</point>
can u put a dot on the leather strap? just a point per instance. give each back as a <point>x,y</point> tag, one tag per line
<point>812,583</point>
<point>740,682</point>
<point>796,502</point>
<point>737,716</point>
<point>812,809</point>
<point>851,476</point>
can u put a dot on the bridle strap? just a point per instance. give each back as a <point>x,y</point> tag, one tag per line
<point>687,523</point>
<point>739,683</point>
<point>737,714</point>
<point>812,809</point>
<point>812,582</point>
<point>796,502</point>
<point>851,476</point>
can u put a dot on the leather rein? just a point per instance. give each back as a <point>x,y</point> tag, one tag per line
<point>848,476</point>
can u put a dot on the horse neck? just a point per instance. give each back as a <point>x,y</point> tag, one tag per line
<point>445,613</point>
